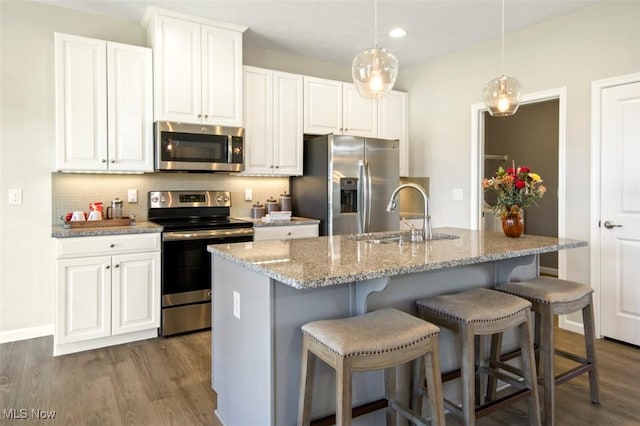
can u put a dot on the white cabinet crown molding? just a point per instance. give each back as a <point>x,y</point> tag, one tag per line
<point>153,11</point>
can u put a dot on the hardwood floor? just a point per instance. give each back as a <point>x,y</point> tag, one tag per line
<point>167,382</point>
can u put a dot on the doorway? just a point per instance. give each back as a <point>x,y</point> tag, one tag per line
<point>528,138</point>
<point>478,131</point>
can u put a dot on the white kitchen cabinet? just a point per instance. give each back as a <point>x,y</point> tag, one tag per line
<point>107,291</point>
<point>197,68</point>
<point>104,115</point>
<point>285,232</point>
<point>335,107</point>
<point>393,123</point>
<point>273,122</point>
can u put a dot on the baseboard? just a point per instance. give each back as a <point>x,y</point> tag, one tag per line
<point>566,324</point>
<point>549,271</point>
<point>26,333</point>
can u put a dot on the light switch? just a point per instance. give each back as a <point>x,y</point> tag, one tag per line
<point>248,194</point>
<point>132,195</point>
<point>15,196</point>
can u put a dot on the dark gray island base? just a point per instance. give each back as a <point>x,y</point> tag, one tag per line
<point>264,291</point>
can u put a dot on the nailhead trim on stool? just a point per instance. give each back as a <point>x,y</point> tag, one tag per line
<point>479,312</point>
<point>382,339</point>
<point>549,297</point>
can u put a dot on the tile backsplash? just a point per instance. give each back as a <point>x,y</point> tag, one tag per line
<point>74,191</point>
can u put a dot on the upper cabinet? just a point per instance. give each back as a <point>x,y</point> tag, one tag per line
<point>197,68</point>
<point>273,122</point>
<point>393,123</point>
<point>335,107</point>
<point>104,116</point>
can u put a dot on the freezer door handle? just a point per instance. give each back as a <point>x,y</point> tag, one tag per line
<point>367,197</point>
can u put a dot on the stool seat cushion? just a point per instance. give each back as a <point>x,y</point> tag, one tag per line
<point>547,290</point>
<point>384,330</point>
<point>475,305</point>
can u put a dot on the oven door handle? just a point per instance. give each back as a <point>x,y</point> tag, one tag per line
<point>206,234</point>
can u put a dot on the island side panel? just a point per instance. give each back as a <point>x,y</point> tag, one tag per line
<point>291,309</point>
<point>242,347</point>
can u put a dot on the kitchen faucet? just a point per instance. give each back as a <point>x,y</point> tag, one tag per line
<point>426,219</point>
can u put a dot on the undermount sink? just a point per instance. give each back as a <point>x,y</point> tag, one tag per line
<point>395,238</point>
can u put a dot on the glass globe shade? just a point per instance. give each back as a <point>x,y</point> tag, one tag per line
<point>502,96</point>
<point>374,72</point>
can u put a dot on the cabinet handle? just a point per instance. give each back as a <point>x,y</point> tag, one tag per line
<point>112,245</point>
<point>107,267</point>
<point>117,266</point>
<point>104,160</point>
<point>113,161</point>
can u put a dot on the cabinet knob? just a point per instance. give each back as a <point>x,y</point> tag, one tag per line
<point>113,161</point>
<point>271,166</point>
<point>277,167</point>
<point>117,266</point>
<point>289,233</point>
<point>112,245</point>
<point>104,160</point>
<point>199,115</point>
<point>107,267</point>
<point>206,116</point>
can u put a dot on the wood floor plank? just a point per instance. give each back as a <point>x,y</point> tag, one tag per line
<point>168,382</point>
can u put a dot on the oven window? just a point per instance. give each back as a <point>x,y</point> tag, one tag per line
<point>186,266</point>
<point>190,147</point>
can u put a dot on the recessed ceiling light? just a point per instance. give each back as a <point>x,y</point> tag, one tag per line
<point>397,33</point>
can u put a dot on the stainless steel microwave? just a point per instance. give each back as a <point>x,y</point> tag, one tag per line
<point>198,148</point>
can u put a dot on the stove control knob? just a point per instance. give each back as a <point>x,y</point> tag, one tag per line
<point>222,199</point>
<point>154,199</point>
<point>163,199</point>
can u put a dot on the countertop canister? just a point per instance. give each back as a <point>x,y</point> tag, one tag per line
<point>285,202</point>
<point>272,205</point>
<point>258,210</point>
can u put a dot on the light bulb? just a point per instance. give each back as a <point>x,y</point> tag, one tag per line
<point>375,83</point>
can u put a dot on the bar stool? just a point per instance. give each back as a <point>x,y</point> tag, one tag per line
<point>549,297</point>
<point>480,312</point>
<point>382,339</point>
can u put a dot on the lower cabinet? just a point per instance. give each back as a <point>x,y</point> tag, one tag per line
<point>285,232</point>
<point>105,299</point>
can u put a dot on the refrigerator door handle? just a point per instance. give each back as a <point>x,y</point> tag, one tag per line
<point>368,197</point>
<point>362,200</point>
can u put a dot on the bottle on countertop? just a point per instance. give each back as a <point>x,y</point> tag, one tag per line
<point>285,202</point>
<point>258,210</point>
<point>272,205</point>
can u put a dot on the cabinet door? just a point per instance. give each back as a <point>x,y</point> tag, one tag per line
<point>130,103</point>
<point>221,76</point>
<point>288,123</point>
<point>136,292</point>
<point>81,103</point>
<point>83,309</point>
<point>322,106</point>
<point>393,123</point>
<point>359,114</point>
<point>258,119</point>
<point>177,68</point>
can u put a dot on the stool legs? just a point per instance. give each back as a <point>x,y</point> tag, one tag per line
<point>590,339</point>
<point>468,375</point>
<point>547,352</point>
<point>306,384</point>
<point>343,392</point>
<point>528,364</point>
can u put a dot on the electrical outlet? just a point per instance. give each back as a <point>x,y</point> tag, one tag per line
<point>457,194</point>
<point>132,195</point>
<point>15,196</point>
<point>248,194</point>
<point>236,304</point>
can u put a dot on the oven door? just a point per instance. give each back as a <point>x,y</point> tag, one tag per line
<point>186,277</point>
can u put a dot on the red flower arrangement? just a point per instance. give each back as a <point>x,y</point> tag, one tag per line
<point>516,187</point>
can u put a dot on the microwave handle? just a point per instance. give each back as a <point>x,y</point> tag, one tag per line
<point>229,149</point>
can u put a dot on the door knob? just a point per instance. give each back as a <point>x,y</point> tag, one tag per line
<point>610,225</point>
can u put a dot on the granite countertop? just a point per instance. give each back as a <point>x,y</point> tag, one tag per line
<point>295,220</point>
<point>326,261</point>
<point>141,227</point>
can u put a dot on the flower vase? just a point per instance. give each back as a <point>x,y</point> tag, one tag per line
<point>513,225</point>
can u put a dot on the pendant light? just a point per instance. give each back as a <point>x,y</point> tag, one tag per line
<point>502,95</point>
<point>375,70</point>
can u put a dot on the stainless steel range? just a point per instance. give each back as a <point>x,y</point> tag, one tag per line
<point>192,220</point>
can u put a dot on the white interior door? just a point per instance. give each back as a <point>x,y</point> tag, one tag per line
<point>620,213</point>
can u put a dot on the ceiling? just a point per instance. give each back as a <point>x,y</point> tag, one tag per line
<point>337,30</point>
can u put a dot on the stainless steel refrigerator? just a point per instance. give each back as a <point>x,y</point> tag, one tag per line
<point>347,183</point>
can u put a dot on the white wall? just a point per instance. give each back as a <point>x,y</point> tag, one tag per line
<point>572,50</point>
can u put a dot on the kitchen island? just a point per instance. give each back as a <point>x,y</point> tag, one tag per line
<point>264,291</point>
